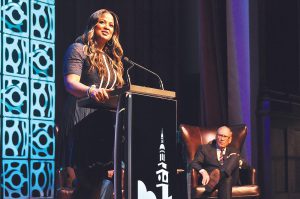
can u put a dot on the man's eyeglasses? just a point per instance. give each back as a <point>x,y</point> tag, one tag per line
<point>223,136</point>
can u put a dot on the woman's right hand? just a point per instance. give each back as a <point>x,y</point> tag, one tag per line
<point>76,88</point>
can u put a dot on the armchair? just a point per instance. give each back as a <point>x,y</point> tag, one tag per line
<point>192,137</point>
<point>65,178</point>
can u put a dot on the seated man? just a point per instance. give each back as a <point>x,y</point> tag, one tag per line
<point>218,164</point>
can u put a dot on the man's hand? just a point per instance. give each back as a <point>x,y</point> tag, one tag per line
<point>231,154</point>
<point>205,176</point>
<point>110,173</point>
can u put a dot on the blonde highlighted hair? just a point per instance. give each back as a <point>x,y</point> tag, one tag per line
<point>112,48</point>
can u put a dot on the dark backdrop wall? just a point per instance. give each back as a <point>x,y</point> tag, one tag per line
<point>161,35</point>
<point>148,36</point>
<point>278,115</point>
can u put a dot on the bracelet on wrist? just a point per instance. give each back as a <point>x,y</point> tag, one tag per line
<point>88,91</point>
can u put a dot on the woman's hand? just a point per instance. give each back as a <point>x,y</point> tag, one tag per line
<point>99,94</point>
<point>76,88</point>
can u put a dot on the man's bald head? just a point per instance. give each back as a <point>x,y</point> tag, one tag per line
<point>224,136</point>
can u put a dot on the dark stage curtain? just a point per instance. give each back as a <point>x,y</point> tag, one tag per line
<point>213,66</point>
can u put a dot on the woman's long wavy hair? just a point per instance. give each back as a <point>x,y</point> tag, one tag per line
<point>112,48</point>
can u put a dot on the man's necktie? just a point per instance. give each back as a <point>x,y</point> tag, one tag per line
<point>221,157</point>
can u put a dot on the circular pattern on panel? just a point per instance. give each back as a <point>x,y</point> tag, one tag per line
<point>42,140</point>
<point>15,59</point>
<point>42,21</point>
<point>15,138</point>
<point>15,97</point>
<point>15,179</point>
<point>42,99</point>
<point>42,61</point>
<point>16,15</point>
<point>42,179</point>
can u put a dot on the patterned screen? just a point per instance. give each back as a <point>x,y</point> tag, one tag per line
<point>27,83</point>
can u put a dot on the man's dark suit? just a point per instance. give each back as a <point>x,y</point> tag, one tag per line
<point>206,158</point>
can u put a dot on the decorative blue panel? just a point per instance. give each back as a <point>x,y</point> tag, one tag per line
<point>1,102</point>
<point>1,16</point>
<point>15,55</point>
<point>42,179</point>
<point>15,179</point>
<point>42,140</point>
<point>47,1</point>
<point>0,45</point>
<point>1,90</point>
<point>15,138</point>
<point>27,98</point>
<point>42,21</point>
<point>42,100</point>
<point>15,97</point>
<point>42,60</point>
<point>16,17</point>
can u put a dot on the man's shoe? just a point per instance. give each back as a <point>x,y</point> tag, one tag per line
<point>214,178</point>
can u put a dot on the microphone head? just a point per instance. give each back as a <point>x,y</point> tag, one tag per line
<point>126,59</point>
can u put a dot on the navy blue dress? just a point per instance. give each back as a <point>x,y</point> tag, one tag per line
<point>88,133</point>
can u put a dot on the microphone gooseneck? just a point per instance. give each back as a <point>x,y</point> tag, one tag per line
<point>127,73</point>
<point>144,68</point>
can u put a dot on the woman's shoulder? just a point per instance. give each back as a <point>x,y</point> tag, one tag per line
<point>76,46</point>
<point>75,49</point>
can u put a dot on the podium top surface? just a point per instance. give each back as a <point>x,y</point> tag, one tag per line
<point>144,90</point>
<point>113,96</point>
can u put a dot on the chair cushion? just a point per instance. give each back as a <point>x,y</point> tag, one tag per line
<point>245,191</point>
<point>64,193</point>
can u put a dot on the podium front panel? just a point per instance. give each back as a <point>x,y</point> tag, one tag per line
<point>150,147</point>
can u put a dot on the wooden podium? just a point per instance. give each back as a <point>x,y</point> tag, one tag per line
<point>145,138</point>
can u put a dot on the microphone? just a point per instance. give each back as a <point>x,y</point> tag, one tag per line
<point>144,68</point>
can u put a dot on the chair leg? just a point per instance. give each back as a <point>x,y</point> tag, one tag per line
<point>189,184</point>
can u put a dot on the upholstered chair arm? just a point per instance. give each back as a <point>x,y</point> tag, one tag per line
<point>59,178</point>
<point>248,176</point>
<point>65,178</point>
<point>194,178</point>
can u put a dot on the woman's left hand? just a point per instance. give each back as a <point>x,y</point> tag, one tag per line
<point>99,94</point>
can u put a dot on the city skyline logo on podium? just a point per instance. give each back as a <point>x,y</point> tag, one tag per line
<point>162,176</point>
